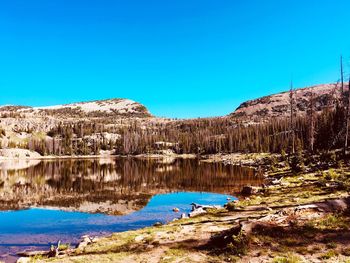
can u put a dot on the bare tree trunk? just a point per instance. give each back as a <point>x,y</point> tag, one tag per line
<point>312,122</point>
<point>291,100</point>
<point>347,120</point>
<point>341,79</point>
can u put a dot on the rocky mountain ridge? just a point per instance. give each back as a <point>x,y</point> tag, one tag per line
<point>98,108</point>
<point>278,105</point>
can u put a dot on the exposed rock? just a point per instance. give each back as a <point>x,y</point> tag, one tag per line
<point>197,212</point>
<point>16,153</point>
<point>139,238</point>
<point>276,181</point>
<point>86,240</point>
<point>183,216</point>
<point>338,205</point>
<point>24,260</point>
<point>198,209</point>
<point>277,105</point>
<point>205,207</point>
<point>109,107</point>
<point>157,224</point>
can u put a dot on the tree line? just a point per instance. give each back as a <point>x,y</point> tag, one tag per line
<point>313,132</point>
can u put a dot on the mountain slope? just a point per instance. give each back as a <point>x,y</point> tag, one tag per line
<point>278,105</point>
<point>98,108</point>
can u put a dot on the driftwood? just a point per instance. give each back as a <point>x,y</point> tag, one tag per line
<point>53,252</point>
<point>204,207</point>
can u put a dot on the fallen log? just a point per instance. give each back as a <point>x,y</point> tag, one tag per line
<point>33,253</point>
<point>53,252</point>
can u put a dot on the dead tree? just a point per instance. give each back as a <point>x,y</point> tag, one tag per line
<point>347,114</point>
<point>292,102</point>
<point>311,116</point>
<point>341,79</point>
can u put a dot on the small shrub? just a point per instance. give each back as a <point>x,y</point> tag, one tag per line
<point>331,222</point>
<point>329,254</point>
<point>283,155</point>
<point>231,206</point>
<point>36,258</point>
<point>333,174</point>
<point>63,246</point>
<point>289,258</point>
<point>328,158</point>
<point>340,164</point>
<point>297,161</point>
<point>303,250</point>
<point>238,245</point>
<point>273,163</point>
<point>331,245</point>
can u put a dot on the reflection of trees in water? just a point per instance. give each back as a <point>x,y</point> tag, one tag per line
<point>185,175</point>
<point>70,182</point>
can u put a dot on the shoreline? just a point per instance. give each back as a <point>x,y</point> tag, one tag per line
<point>243,159</point>
<point>260,227</point>
<point>100,156</point>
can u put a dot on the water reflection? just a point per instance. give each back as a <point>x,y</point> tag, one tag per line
<point>138,189</point>
<point>113,186</point>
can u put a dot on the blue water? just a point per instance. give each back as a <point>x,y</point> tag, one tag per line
<point>33,228</point>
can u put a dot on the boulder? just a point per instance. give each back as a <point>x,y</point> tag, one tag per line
<point>249,190</point>
<point>24,260</point>
<point>183,216</point>
<point>157,224</point>
<point>197,212</point>
<point>85,241</point>
<point>139,238</point>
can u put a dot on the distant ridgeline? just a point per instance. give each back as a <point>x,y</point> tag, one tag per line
<point>98,108</point>
<point>278,105</point>
<point>313,119</point>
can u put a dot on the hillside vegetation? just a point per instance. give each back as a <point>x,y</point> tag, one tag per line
<point>313,119</point>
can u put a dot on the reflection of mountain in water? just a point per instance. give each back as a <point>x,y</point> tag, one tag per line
<point>113,186</point>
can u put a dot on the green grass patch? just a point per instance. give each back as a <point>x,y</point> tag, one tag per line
<point>289,258</point>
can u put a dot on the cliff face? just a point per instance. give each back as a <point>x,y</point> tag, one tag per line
<point>278,105</point>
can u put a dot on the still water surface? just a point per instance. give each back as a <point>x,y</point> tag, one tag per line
<point>42,202</point>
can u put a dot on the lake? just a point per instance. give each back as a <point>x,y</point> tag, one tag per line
<point>42,202</point>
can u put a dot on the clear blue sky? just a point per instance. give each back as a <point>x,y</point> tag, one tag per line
<point>180,58</point>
